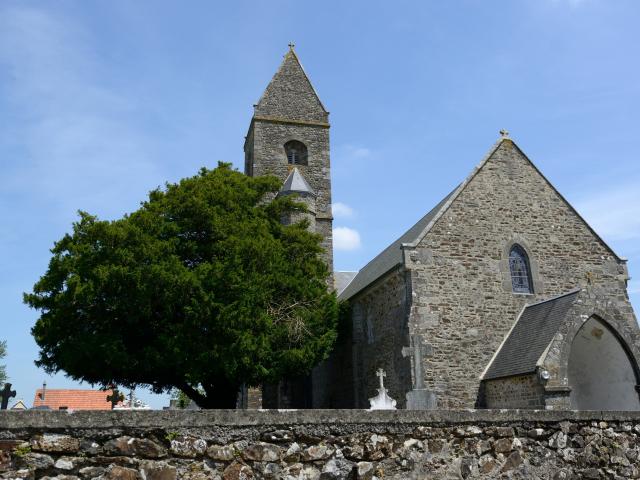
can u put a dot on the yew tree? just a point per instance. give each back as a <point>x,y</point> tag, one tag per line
<point>202,289</point>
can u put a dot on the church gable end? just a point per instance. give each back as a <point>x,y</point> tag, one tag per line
<point>464,301</point>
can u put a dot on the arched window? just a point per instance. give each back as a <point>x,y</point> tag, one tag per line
<point>520,270</point>
<point>296,152</point>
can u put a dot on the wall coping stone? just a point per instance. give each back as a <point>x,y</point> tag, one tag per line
<point>38,419</point>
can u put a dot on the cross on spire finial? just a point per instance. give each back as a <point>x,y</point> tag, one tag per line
<point>504,133</point>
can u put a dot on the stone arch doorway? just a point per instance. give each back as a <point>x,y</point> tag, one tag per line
<point>602,374</point>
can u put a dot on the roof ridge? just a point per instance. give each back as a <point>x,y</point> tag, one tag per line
<point>295,55</point>
<point>530,336</point>
<point>551,299</point>
<point>396,244</point>
<point>460,188</point>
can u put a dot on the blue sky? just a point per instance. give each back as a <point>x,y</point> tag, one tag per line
<point>100,102</point>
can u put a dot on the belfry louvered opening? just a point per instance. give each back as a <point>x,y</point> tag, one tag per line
<point>296,152</point>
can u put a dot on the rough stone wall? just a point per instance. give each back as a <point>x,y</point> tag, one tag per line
<point>522,391</point>
<point>463,305</point>
<point>322,445</point>
<point>379,331</point>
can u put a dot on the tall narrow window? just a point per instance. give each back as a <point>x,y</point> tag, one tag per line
<point>520,271</point>
<point>296,152</point>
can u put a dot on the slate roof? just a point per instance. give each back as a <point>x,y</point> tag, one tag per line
<point>295,183</point>
<point>57,399</point>
<point>342,279</point>
<point>530,337</point>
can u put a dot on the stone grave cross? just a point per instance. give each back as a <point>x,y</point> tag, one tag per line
<point>382,401</point>
<point>6,394</point>
<point>417,350</point>
<point>115,397</point>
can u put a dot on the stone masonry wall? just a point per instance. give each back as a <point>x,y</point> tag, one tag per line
<point>463,304</point>
<point>379,329</point>
<point>323,444</point>
<point>522,391</point>
<point>290,95</point>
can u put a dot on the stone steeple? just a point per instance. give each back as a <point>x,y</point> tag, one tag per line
<point>290,95</point>
<point>289,135</point>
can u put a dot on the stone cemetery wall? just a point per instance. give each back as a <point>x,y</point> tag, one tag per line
<point>319,444</point>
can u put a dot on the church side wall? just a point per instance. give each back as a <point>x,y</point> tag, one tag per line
<point>521,391</point>
<point>379,329</point>
<point>463,304</point>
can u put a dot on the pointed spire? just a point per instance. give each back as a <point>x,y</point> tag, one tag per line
<point>290,95</point>
<point>295,183</point>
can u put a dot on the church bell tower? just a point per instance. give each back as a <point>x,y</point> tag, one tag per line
<point>289,138</point>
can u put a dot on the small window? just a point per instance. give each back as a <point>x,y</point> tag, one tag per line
<point>520,271</point>
<point>296,152</point>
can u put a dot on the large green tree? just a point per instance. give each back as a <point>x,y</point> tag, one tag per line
<point>202,289</point>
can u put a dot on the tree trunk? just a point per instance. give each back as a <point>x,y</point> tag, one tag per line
<point>222,394</point>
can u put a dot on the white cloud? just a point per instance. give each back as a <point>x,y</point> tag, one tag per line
<point>614,213</point>
<point>357,152</point>
<point>341,210</point>
<point>345,238</point>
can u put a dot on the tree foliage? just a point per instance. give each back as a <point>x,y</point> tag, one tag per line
<point>201,289</point>
<point>3,368</point>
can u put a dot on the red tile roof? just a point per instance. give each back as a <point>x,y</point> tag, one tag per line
<point>57,399</point>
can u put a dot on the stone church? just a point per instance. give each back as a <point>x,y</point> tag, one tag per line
<point>501,296</point>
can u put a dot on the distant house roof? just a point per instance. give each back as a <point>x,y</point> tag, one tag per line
<point>58,399</point>
<point>530,337</point>
<point>19,405</point>
<point>390,256</point>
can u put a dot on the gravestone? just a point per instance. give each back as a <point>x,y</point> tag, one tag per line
<point>6,394</point>
<point>382,401</point>
<point>115,397</point>
<point>419,398</point>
